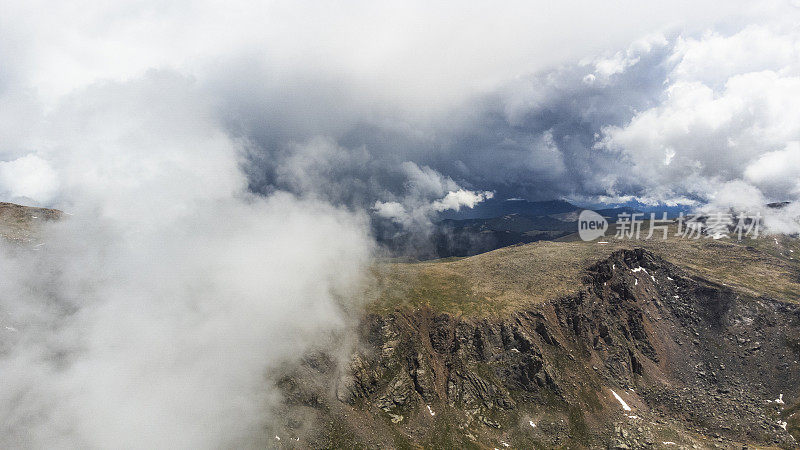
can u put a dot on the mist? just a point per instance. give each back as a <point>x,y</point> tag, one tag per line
<point>152,314</point>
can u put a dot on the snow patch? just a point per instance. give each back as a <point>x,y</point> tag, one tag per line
<point>621,401</point>
<point>430,410</point>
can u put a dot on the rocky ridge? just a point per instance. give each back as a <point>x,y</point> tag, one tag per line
<point>643,355</point>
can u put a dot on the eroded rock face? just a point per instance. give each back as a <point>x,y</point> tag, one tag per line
<point>689,357</point>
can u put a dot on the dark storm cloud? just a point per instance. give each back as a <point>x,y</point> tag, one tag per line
<point>533,137</point>
<point>641,124</point>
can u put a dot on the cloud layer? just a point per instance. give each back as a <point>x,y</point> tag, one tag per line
<point>154,313</point>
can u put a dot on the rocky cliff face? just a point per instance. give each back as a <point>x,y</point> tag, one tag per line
<point>642,355</point>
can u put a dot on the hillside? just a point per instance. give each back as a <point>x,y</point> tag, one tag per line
<point>507,278</point>
<point>529,347</point>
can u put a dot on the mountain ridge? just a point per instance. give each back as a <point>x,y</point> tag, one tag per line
<point>642,352</point>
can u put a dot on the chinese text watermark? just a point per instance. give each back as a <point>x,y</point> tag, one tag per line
<point>592,225</point>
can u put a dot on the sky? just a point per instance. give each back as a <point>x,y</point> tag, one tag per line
<point>222,163</point>
<point>584,101</point>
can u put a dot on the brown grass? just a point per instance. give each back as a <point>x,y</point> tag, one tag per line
<point>511,277</point>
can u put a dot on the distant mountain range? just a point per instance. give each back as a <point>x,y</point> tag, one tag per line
<point>493,224</point>
<point>498,207</point>
<point>560,209</point>
<point>498,223</point>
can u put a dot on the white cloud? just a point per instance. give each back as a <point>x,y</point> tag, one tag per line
<point>28,178</point>
<point>152,315</point>
<point>419,54</point>
<point>777,172</point>
<point>424,182</point>
<point>606,67</point>
<point>394,211</point>
<point>713,58</point>
<point>416,214</point>
<point>426,193</point>
<point>719,122</point>
<point>455,200</point>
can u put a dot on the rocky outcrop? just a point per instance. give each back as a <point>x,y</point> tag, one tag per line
<point>696,364</point>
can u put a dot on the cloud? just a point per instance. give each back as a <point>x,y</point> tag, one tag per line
<point>777,173</point>
<point>418,217</point>
<point>455,200</point>
<point>153,315</point>
<point>422,55</point>
<point>718,122</point>
<point>346,94</point>
<point>392,210</point>
<point>426,193</point>
<point>28,178</point>
<point>714,57</point>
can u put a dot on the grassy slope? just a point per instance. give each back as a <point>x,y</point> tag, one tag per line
<point>505,279</point>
